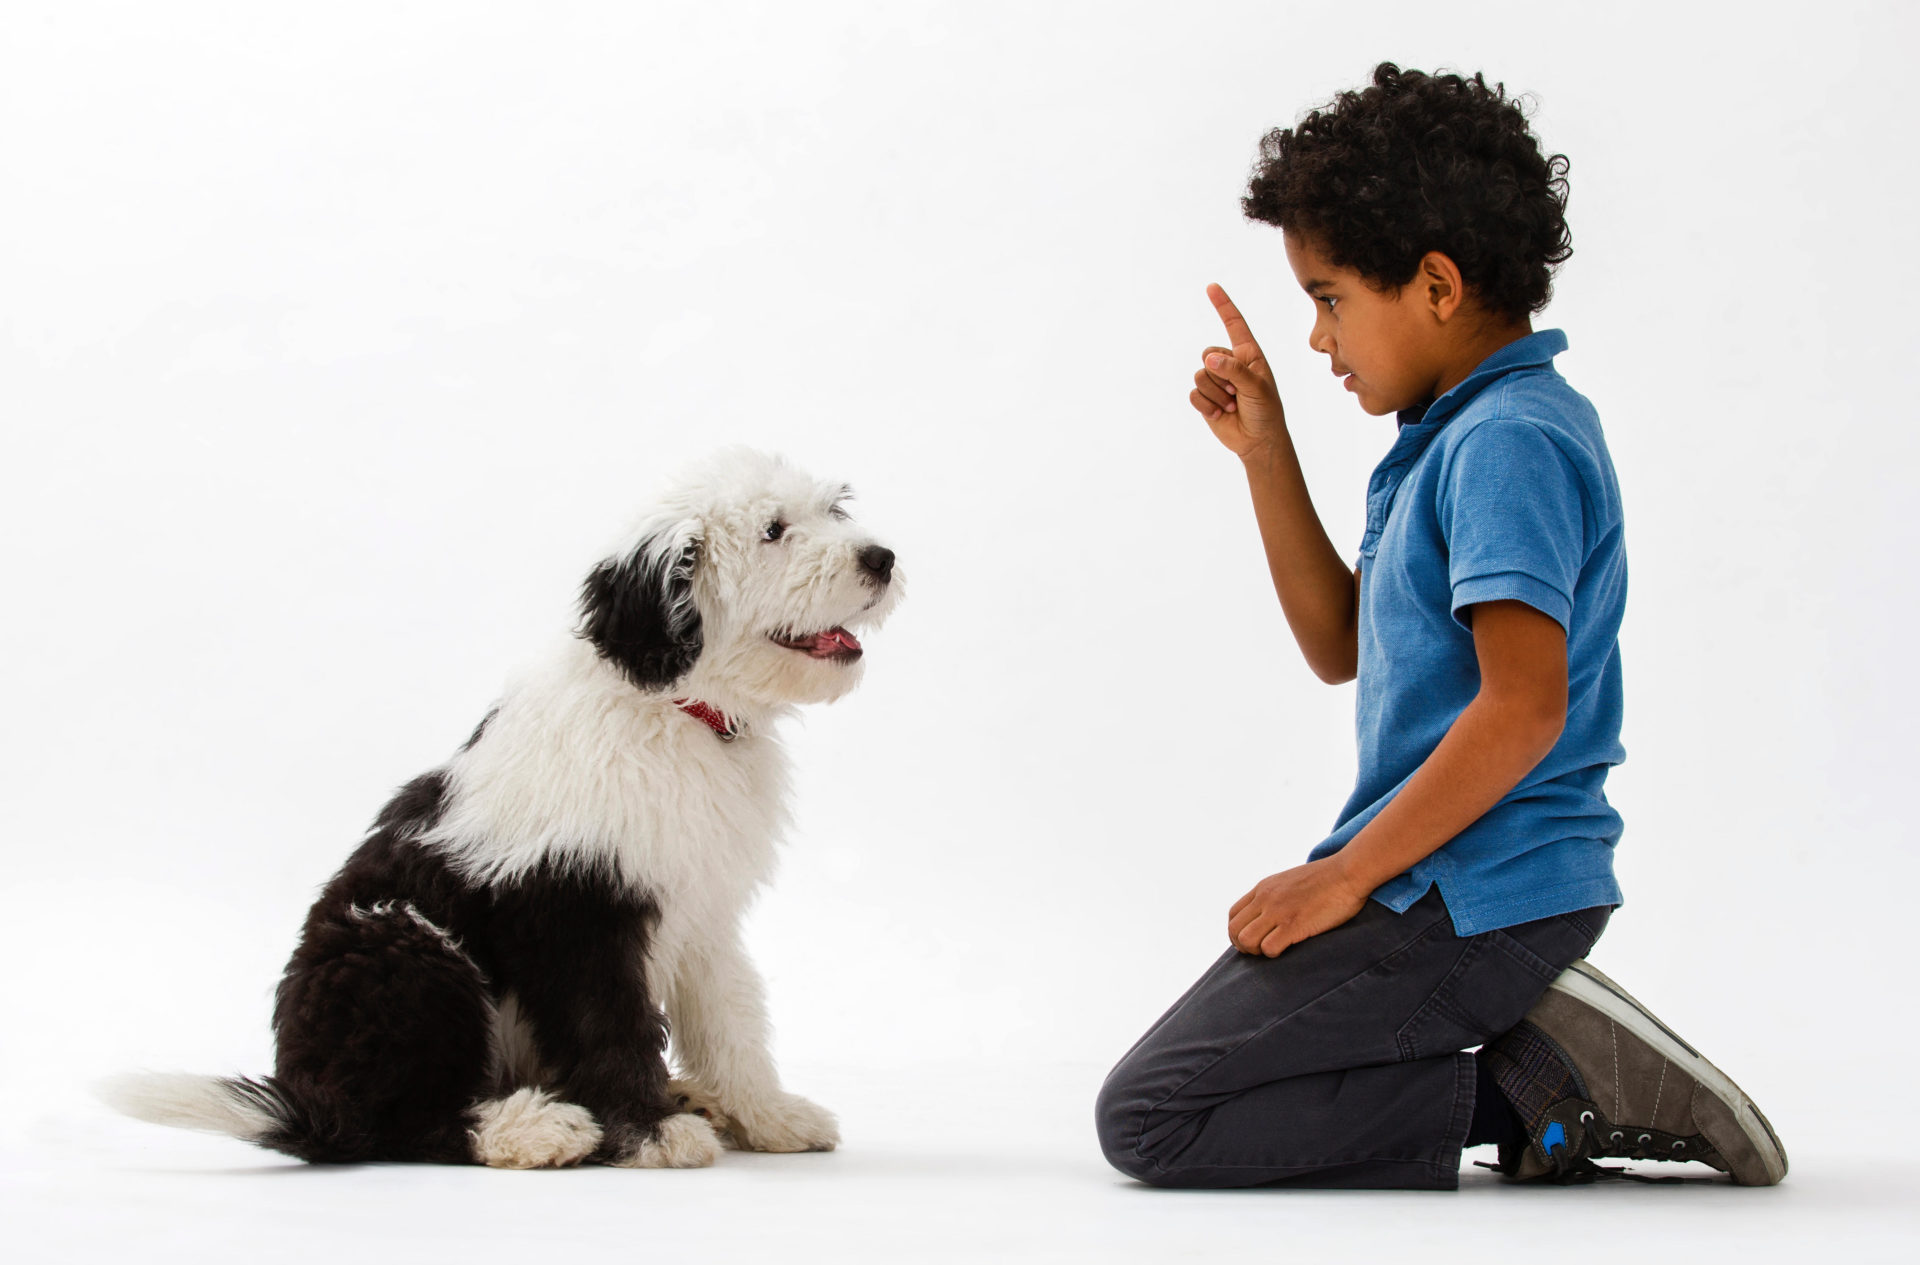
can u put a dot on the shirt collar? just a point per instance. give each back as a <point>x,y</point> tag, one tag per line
<point>1537,348</point>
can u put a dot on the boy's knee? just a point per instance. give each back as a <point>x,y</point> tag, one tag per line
<point>1119,1114</point>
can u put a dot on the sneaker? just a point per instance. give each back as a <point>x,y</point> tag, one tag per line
<point>1592,1072</point>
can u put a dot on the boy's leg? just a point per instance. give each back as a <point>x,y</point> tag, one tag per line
<point>1335,1064</point>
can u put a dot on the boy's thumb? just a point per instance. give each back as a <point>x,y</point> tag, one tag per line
<point>1233,371</point>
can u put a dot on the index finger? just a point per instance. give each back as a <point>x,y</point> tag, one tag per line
<point>1236,324</point>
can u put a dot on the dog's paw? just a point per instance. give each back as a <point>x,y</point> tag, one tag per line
<point>680,1141</point>
<point>696,1099</point>
<point>786,1123</point>
<point>530,1128</point>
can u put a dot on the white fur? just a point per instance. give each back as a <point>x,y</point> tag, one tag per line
<point>530,1128</point>
<point>684,1141</point>
<point>384,908</point>
<point>186,1101</point>
<point>514,1056</point>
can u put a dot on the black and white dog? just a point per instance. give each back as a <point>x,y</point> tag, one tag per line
<point>483,982</point>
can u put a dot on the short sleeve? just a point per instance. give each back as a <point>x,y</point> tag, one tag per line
<point>1512,510</point>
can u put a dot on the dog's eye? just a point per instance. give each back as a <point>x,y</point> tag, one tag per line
<point>835,511</point>
<point>775,530</point>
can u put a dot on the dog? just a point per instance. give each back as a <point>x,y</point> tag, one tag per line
<point>484,981</point>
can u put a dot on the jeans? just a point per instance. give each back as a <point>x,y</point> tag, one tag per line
<point>1338,1063</point>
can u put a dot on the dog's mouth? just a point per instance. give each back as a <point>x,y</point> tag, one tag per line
<point>835,643</point>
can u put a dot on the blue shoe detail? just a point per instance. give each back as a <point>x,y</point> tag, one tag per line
<point>1554,1138</point>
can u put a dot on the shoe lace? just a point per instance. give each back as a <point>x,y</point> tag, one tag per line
<point>1636,1144</point>
<point>1569,1149</point>
<point>1600,1138</point>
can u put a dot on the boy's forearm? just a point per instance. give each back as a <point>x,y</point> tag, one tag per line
<point>1315,586</point>
<point>1490,747</point>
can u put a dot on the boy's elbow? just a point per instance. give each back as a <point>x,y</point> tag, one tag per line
<point>1339,661</point>
<point>1336,668</point>
<point>1542,721</point>
<point>1532,721</point>
<point>1550,713</point>
<point>1335,674</point>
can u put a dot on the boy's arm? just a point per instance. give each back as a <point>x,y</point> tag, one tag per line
<point>1235,392</point>
<point>1501,735</point>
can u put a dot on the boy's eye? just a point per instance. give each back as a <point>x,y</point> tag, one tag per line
<point>1329,300</point>
<point>774,531</point>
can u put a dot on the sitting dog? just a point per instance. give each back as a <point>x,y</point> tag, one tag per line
<point>483,981</point>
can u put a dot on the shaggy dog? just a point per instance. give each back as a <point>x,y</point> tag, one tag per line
<point>483,981</point>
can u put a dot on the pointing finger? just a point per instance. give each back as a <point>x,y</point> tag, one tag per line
<point>1237,331</point>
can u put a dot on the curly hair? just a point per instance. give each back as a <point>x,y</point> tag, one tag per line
<point>1415,163</point>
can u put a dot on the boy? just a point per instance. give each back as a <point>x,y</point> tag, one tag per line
<point>1472,868</point>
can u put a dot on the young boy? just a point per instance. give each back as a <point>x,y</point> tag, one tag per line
<point>1472,868</point>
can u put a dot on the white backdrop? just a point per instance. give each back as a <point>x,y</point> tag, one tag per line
<point>338,339</point>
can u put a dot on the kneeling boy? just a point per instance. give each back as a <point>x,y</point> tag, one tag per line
<point>1472,868</point>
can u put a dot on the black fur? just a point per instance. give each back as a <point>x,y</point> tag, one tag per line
<point>480,729</point>
<point>639,614</point>
<point>383,1027</point>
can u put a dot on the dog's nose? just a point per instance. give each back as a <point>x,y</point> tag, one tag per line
<point>878,562</point>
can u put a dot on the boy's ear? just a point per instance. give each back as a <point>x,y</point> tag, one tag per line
<point>1440,285</point>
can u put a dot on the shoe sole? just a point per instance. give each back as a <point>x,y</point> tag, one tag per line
<point>1585,983</point>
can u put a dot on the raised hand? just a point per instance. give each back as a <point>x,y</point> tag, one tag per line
<point>1234,388</point>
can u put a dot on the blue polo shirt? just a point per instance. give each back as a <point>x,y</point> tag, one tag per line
<point>1500,489</point>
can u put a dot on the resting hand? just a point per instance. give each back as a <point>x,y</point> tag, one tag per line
<point>1285,908</point>
<point>1234,389</point>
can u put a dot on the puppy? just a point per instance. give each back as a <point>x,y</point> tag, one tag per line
<point>483,982</point>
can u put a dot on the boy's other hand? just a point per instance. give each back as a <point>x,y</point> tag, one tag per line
<point>1234,389</point>
<point>1285,908</point>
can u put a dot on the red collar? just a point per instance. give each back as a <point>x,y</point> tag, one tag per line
<point>711,717</point>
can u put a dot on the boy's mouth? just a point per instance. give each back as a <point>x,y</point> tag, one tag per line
<point>835,643</point>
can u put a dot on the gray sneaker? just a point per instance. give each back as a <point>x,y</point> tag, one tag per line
<point>1592,1072</point>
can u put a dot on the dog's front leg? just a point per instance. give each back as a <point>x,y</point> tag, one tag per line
<point>719,1018</point>
<point>584,993</point>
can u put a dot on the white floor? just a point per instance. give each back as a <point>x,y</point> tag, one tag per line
<point>938,1165</point>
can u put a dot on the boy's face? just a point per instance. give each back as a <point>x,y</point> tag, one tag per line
<point>1388,346</point>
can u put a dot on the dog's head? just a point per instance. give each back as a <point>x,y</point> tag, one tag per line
<point>745,585</point>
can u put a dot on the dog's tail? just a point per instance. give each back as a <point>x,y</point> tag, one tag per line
<point>259,1110</point>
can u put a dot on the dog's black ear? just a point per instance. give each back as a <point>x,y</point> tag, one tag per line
<point>638,611</point>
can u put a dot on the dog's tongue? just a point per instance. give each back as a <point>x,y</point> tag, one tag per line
<point>832,642</point>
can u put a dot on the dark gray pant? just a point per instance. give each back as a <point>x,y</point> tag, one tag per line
<point>1337,1063</point>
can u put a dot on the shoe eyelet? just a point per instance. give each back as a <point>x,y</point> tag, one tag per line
<point>1644,1139</point>
<point>1680,1145</point>
<point>1586,1117</point>
<point>1617,1135</point>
